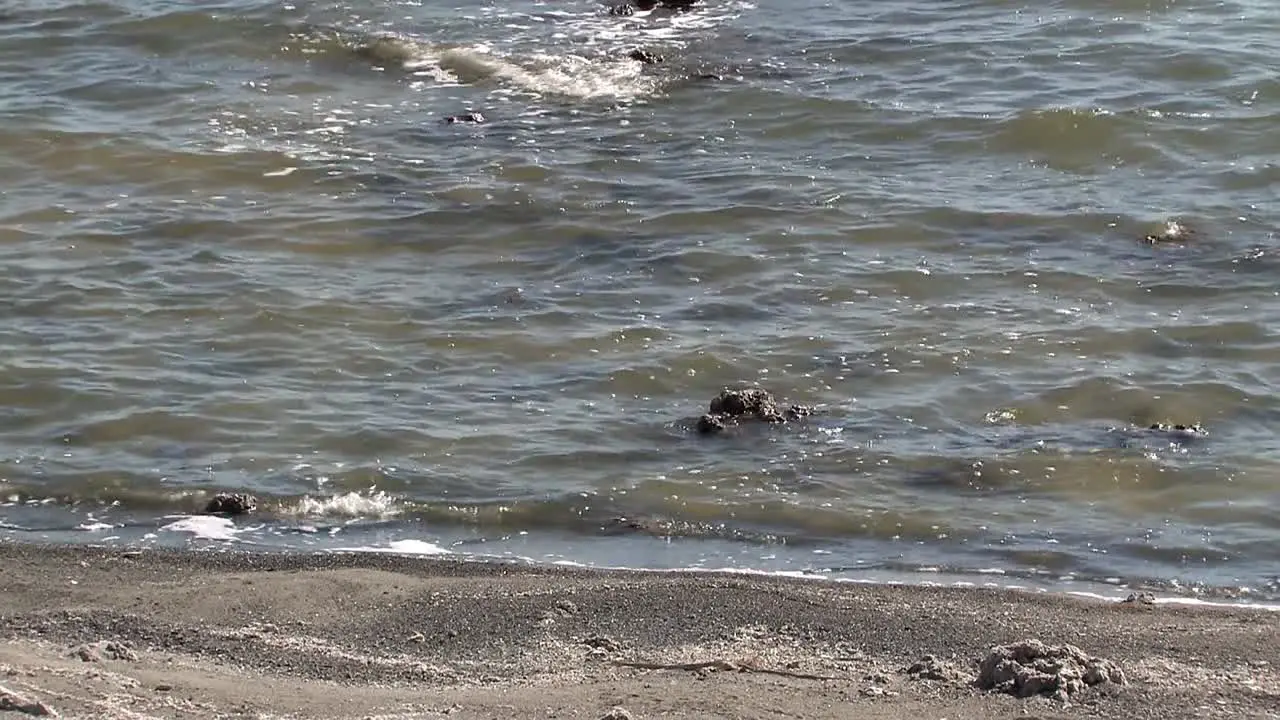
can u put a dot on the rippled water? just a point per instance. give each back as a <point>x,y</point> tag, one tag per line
<point>242,251</point>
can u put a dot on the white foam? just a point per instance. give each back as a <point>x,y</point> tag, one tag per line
<point>1184,601</point>
<point>375,504</point>
<point>824,577</point>
<point>575,55</point>
<point>541,73</point>
<point>207,527</point>
<point>401,547</point>
<point>94,526</point>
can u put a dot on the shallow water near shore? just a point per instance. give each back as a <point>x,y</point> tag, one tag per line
<point>243,252</point>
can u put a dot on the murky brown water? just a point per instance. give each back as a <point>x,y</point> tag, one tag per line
<point>241,255</point>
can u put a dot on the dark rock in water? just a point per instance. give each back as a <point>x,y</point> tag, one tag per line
<point>626,526</point>
<point>471,117</point>
<point>669,528</point>
<point>711,424</point>
<point>731,407</point>
<point>1172,232</point>
<point>1195,430</point>
<point>231,504</point>
<point>630,7</point>
<point>644,56</point>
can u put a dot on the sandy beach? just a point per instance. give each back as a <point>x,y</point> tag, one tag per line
<point>88,633</point>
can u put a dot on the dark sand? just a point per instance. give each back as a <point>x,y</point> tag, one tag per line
<point>202,635</point>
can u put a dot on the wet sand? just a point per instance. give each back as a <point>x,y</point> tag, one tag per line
<point>108,634</point>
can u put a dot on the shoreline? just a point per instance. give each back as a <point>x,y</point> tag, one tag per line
<point>177,634</point>
<point>212,533</point>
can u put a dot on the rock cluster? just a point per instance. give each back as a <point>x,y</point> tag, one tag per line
<point>1030,667</point>
<point>104,650</point>
<point>1182,429</point>
<point>732,407</point>
<point>231,504</point>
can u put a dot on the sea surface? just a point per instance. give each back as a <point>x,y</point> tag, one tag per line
<point>241,250</point>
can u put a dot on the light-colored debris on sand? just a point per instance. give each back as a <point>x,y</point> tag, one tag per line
<point>1030,667</point>
<point>104,650</point>
<point>932,668</point>
<point>603,644</point>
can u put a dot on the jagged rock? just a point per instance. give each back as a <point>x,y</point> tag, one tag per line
<point>104,650</point>
<point>231,504</point>
<point>616,713</point>
<point>732,406</point>
<point>1140,598</point>
<point>603,642</point>
<point>932,668</point>
<point>1028,668</point>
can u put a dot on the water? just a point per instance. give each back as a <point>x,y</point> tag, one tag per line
<point>242,251</point>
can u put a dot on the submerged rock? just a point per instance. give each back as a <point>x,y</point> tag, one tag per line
<point>631,6</point>
<point>386,51</point>
<point>1195,430</point>
<point>1028,668</point>
<point>644,56</point>
<point>668,528</point>
<point>1173,231</point>
<point>471,117</point>
<point>731,407</point>
<point>231,504</point>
